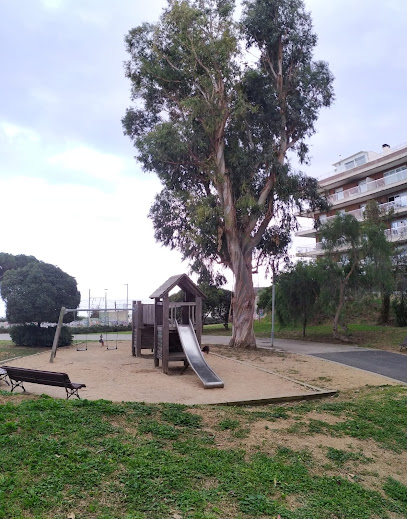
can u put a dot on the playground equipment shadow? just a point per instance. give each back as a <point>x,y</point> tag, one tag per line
<point>118,376</point>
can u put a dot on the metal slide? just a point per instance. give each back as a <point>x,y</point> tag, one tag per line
<point>195,358</point>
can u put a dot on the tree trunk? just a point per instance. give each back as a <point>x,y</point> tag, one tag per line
<point>385,309</point>
<point>243,303</point>
<point>304,325</point>
<point>341,302</point>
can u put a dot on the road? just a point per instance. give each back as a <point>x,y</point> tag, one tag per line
<point>389,364</point>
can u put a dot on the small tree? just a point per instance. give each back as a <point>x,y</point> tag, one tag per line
<point>297,292</point>
<point>217,303</point>
<point>356,253</point>
<point>35,293</point>
<point>378,255</point>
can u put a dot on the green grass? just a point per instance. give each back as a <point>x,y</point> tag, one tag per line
<point>8,350</point>
<point>366,335</point>
<point>137,461</point>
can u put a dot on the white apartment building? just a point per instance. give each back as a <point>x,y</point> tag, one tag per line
<point>365,176</point>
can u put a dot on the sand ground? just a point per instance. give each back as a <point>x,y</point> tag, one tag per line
<point>263,374</point>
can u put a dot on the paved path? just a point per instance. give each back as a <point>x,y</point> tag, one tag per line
<point>389,364</point>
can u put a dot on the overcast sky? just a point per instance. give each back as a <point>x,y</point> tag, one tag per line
<point>71,192</point>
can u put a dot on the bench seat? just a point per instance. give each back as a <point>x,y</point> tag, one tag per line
<point>18,376</point>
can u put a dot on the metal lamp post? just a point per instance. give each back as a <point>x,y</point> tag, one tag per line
<point>106,319</point>
<point>127,303</point>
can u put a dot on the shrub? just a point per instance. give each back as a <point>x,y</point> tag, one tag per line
<point>32,335</point>
<point>100,328</point>
<point>400,310</point>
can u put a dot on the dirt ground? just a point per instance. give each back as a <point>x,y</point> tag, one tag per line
<point>118,376</point>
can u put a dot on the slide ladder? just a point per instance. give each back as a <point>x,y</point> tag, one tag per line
<point>195,358</point>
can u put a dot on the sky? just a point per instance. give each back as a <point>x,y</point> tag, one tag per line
<point>71,192</point>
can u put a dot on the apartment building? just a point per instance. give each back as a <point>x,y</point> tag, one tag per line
<point>364,176</point>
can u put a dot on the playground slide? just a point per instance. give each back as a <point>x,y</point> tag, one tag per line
<point>195,358</point>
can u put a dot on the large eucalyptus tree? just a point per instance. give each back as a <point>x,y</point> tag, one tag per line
<point>218,105</point>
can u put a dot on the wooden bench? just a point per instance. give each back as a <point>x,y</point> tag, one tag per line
<point>49,378</point>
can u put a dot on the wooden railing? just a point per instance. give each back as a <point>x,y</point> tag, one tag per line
<point>175,312</point>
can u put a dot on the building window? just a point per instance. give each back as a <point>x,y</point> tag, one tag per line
<point>350,165</point>
<point>357,161</point>
<point>360,160</point>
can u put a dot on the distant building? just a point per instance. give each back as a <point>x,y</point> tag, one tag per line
<point>365,176</point>
<point>112,317</point>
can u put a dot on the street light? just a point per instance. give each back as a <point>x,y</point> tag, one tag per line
<point>127,303</point>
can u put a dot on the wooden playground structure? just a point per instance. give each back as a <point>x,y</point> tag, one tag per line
<point>150,331</point>
<point>172,330</point>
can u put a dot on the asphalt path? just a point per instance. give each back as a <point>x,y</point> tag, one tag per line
<point>386,363</point>
<point>389,364</point>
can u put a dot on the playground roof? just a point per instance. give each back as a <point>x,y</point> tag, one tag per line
<point>180,280</point>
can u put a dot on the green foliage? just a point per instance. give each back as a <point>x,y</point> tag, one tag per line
<point>340,457</point>
<point>216,129</point>
<point>36,336</point>
<point>228,423</point>
<point>12,262</point>
<point>37,292</point>
<point>216,306</point>
<point>396,490</point>
<point>100,328</point>
<point>297,294</point>
<point>358,255</point>
<point>399,306</point>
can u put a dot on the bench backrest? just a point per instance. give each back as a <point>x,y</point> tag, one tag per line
<point>50,378</point>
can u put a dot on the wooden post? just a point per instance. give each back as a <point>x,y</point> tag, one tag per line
<point>156,360</point>
<point>198,319</point>
<point>166,334</point>
<point>139,325</point>
<point>57,334</point>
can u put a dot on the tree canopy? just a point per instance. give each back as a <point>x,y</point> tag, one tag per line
<point>217,126</point>
<point>36,292</point>
<point>297,292</point>
<point>12,262</point>
<point>357,253</point>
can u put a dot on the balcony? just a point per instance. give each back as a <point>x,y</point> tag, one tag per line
<point>368,187</point>
<point>395,234</point>
<point>399,203</point>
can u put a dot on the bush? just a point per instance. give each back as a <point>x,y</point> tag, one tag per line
<point>400,311</point>
<point>100,328</point>
<point>32,335</point>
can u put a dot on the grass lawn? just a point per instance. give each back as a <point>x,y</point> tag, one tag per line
<point>343,458</point>
<point>367,335</point>
<point>9,351</point>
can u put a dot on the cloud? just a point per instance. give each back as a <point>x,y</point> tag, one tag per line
<point>13,131</point>
<point>52,4</point>
<point>91,162</point>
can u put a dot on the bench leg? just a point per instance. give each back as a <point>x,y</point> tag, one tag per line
<point>70,392</point>
<point>16,383</point>
<point>4,377</point>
